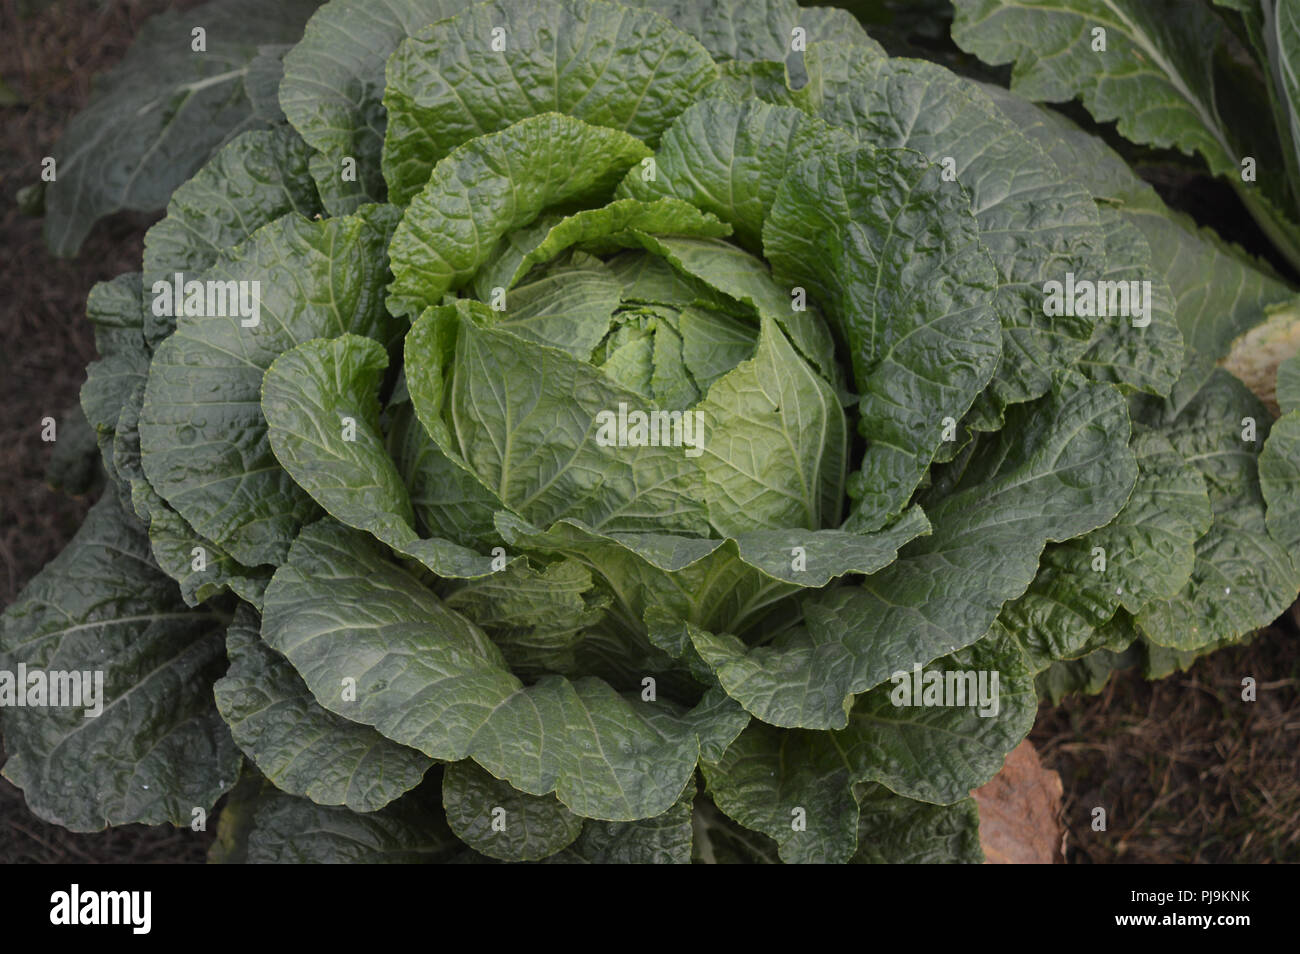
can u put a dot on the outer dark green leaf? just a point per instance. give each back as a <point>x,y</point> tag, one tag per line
<point>161,112</point>
<point>200,567</point>
<point>289,830</point>
<point>824,23</point>
<point>116,310</point>
<point>797,786</point>
<point>1281,23</point>
<point>158,749</point>
<point>1171,73</point>
<point>1079,155</point>
<point>893,830</point>
<point>749,30</point>
<point>1158,662</point>
<point>253,180</point>
<point>424,676</point>
<point>1243,577</point>
<point>603,755</point>
<point>1146,358</point>
<point>500,822</point>
<point>428,678</point>
<point>1062,609</point>
<point>302,748</point>
<point>600,62</point>
<point>893,255</point>
<point>1220,291</point>
<point>1149,546</point>
<point>202,434</point>
<point>1145,553</point>
<point>123,451</point>
<point>1086,675</point>
<point>665,839</point>
<point>174,543</point>
<point>717,720</point>
<point>1036,223</point>
<point>1019,197</point>
<point>262,82</point>
<point>938,754</point>
<point>1279,483</point>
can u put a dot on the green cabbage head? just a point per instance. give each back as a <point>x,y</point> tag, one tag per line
<point>599,432</point>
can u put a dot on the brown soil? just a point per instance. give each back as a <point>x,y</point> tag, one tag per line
<point>1186,770</point>
<point>46,61</point>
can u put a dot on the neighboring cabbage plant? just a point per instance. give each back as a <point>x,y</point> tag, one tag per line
<point>587,420</point>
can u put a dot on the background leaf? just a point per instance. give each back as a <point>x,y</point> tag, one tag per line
<point>158,749</point>
<point>159,114</point>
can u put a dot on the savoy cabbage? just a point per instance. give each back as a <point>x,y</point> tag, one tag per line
<point>586,431</point>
